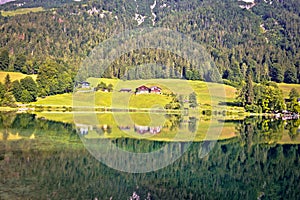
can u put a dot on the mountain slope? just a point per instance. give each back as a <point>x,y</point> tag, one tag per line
<point>264,38</point>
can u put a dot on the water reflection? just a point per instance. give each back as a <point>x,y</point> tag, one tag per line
<point>255,129</point>
<point>172,123</point>
<point>262,162</point>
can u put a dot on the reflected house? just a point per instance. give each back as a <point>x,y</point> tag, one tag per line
<point>141,129</point>
<point>106,128</point>
<point>84,129</point>
<point>145,129</point>
<point>142,90</point>
<point>155,130</point>
<point>124,128</point>
<point>155,90</point>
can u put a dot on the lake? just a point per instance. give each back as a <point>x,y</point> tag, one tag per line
<point>150,156</point>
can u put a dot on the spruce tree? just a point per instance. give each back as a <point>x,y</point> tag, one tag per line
<point>4,60</point>
<point>249,94</point>
<point>7,83</point>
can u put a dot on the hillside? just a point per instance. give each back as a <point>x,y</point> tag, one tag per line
<point>262,36</point>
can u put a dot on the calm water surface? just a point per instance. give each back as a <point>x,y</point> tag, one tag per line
<point>45,159</point>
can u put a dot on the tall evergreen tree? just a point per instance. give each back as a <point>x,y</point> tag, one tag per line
<point>294,94</point>
<point>19,63</point>
<point>8,100</point>
<point>276,73</point>
<point>2,90</point>
<point>249,93</point>
<point>4,60</point>
<point>7,83</point>
<point>290,75</point>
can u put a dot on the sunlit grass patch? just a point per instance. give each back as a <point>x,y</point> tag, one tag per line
<point>21,11</point>
<point>14,76</point>
<point>286,88</point>
<point>207,94</point>
<point>55,100</point>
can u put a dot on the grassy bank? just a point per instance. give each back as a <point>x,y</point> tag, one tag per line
<point>3,109</point>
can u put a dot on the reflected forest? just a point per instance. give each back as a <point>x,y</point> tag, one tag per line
<point>40,158</point>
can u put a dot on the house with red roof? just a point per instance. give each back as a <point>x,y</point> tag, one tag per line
<point>155,90</point>
<point>146,90</point>
<point>142,90</point>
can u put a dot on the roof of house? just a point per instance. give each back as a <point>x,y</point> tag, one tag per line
<point>143,88</point>
<point>85,83</point>
<point>155,88</point>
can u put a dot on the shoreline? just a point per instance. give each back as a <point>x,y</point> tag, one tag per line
<point>205,110</point>
<point>29,108</point>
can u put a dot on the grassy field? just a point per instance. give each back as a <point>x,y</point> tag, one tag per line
<point>55,100</point>
<point>184,87</point>
<point>105,99</point>
<point>286,88</point>
<point>14,76</point>
<point>207,93</point>
<point>20,11</point>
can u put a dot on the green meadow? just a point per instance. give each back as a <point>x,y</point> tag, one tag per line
<point>21,11</point>
<point>286,88</point>
<point>207,94</point>
<point>14,76</point>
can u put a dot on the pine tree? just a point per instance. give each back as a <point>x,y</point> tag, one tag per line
<point>294,94</point>
<point>8,100</point>
<point>7,83</point>
<point>290,75</point>
<point>4,60</point>
<point>249,94</point>
<point>2,90</point>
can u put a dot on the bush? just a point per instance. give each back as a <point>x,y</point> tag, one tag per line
<point>252,108</point>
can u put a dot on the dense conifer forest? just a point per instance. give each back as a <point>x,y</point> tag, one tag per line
<point>264,38</point>
<point>259,39</point>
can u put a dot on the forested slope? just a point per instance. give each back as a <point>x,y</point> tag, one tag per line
<point>264,38</point>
